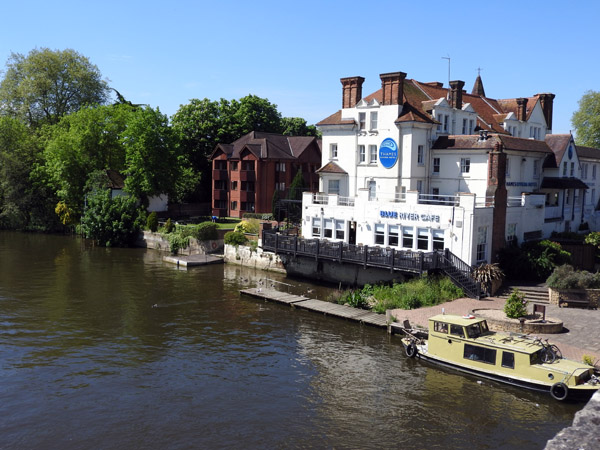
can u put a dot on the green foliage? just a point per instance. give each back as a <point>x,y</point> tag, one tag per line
<point>355,299</point>
<point>64,214</point>
<point>587,359</point>
<point>112,222</point>
<point>169,226</point>
<point>296,126</point>
<point>486,274</point>
<point>177,242</point>
<point>204,231</point>
<point>250,226</point>
<point>152,222</point>
<point>586,120</point>
<point>46,85</point>
<point>533,260</point>
<point>566,277</point>
<point>253,245</point>
<point>259,216</point>
<point>594,239</point>
<point>235,238</point>
<point>275,206</point>
<point>516,305</point>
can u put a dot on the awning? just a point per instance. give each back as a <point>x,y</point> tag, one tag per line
<point>331,167</point>
<point>562,183</point>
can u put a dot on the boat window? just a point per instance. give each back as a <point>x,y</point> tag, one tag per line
<point>483,327</point>
<point>457,330</point>
<point>440,327</point>
<point>483,354</point>
<point>473,331</point>
<point>508,360</point>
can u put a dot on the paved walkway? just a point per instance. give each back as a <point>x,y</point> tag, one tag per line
<point>582,326</point>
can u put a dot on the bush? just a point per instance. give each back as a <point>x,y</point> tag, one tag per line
<point>566,277</point>
<point>152,222</point>
<point>235,238</point>
<point>355,299</point>
<point>267,216</point>
<point>250,226</point>
<point>516,305</point>
<point>533,260</point>
<point>169,226</point>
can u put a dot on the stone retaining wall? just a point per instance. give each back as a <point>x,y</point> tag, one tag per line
<point>148,239</point>
<point>552,326</point>
<point>584,433</point>
<point>593,295</point>
<point>257,259</point>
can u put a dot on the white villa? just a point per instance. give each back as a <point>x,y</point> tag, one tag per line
<point>416,166</point>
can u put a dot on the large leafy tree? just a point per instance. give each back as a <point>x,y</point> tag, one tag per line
<point>296,126</point>
<point>586,120</point>
<point>45,85</point>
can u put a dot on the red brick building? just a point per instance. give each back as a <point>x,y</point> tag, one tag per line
<point>247,172</point>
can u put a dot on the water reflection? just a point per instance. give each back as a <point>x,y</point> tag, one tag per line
<point>113,348</point>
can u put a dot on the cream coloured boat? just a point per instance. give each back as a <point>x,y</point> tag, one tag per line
<point>467,344</point>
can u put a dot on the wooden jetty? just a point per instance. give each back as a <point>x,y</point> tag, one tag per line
<point>328,308</point>
<point>193,260</point>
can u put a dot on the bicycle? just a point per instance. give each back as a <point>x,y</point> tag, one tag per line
<point>549,352</point>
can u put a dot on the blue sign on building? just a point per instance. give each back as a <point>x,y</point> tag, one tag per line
<point>388,153</point>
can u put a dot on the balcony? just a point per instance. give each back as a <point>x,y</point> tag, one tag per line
<point>219,174</point>
<point>247,175</point>
<point>247,196</point>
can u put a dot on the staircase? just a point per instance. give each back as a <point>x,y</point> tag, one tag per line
<point>460,274</point>
<point>533,293</point>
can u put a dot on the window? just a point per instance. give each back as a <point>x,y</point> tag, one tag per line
<point>457,330</point>
<point>372,154</point>
<point>361,154</point>
<point>221,204</point>
<point>438,240</point>
<point>552,199</point>
<point>333,187</point>
<point>511,233</point>
<point>328,228</point>
<point>279,167</point>
<point>407,237</point>
<point>594,172</point>
<point>316,227</point>
<point>483,354</point>
<point>508,360</point>
<point>464,127</point>
<point>373,125</point>
<point>220,185</point>
<point>419,186</point>
<point>234,206</point>
<point>248,206</point>
<point>220,164</point>
<point>234,185</point>
<point>280,186</point>
<point>471,126</point>
<point>249,186</point>
<point>482,243</point>
<point>372,190</point>
<point>422,239</point>
<point>393,235</point>
<point>436,165</point>
<point>465,165</point>
<point>446,120</point>
<point>234,165</point>
<point>379,233</point>
<point>440,327</point>
<point>584,171</point>
<point>565,169</point>
<point>362,120</point>
<point>420,155</point>
<point>247,165</point>
<point>507,167</point>
<point>340,229</point>
<point>536,168</point>
<point>333,151</point>
<point>572,169</point>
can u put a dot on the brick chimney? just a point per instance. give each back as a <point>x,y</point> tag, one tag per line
<point>546,102</point>
<point>456,91</point>
<point>522,109</point>
<point>392,85</point>
<point>351,91</point>
<point>496,189</point>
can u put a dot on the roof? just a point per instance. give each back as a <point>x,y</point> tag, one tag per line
<point>475,142</point>
<point>588,152</point>
<point>268,146</point>
<point>562,183</point>
<point>458,320</point>
<point>115,179</point>
<point>419,98</point>
<point>331,167</point>
<point>558,143</point>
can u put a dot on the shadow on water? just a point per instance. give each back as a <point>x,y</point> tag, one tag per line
<point>87,361</point>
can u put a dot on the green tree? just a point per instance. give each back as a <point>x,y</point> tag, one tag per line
<point>47,84</point>
<point>586,120</point>
<point>257,114</point>
<point>296,126</point>
<point>112,222</point>
<point>295,193</point>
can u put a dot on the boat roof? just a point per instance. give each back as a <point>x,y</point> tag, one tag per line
<point>457,320</point>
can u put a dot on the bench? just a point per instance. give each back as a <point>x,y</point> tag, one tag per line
<point>574,299</point>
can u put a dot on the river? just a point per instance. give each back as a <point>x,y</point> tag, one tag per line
<point>112,349</point>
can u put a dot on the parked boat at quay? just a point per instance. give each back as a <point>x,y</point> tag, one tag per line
<point>465,343</point>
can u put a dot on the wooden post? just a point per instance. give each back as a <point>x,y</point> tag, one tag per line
<point>366,247</point>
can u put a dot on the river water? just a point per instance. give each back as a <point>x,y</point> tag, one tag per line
<point>112,349</point>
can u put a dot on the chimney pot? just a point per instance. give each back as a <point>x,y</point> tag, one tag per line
<point>392,85</point>
<point>351,91</point>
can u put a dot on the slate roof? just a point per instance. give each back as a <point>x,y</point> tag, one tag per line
<point>331,167</point>
<point>588,152</point>
<point>466,142</point>
<point>268,146</point>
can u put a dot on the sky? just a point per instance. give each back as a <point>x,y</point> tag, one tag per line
<point>294,52</point>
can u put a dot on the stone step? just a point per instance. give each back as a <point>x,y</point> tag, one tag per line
<point>537,294</point>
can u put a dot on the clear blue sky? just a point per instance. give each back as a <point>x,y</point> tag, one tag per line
<point>295,52</point>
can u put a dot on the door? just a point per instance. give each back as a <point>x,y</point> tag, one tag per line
<point>352,233</point>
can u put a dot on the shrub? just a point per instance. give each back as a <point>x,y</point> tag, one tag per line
<point>152,222</point>
<point>207,231</point>
<point>566,277</point>
<point>177,242</point>
<point>533,260</point>
<point>587,359</point>
<point>516,305</point>
<point>266,216</point>
<point>235,238</point>
<point>355,299</point>
<point>249,226</point>
<point>593,238</point>
<point>486,274</point>
<point>169,226</point>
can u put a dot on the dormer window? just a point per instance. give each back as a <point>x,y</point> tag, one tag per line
<point>373,125</point>
<point>362,120</point>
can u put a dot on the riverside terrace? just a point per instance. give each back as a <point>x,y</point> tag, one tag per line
<point>375,256</point>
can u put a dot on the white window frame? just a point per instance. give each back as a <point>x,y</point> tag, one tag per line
<point>362,120</point>
<point>316,227</point>
<point>362,157</point>
<point>465,165</point>
<point>339,230</point>
<point>372,154</point>
<point>373,120</point>
<point>328,227</point>
<point>379,234</point>
<point>481,249</point>
<point>333,151</point>
<point>436,166</point>
<point>420,155</point>
<point>331,189</point>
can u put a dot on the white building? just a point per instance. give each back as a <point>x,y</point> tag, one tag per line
<point>416,166</point>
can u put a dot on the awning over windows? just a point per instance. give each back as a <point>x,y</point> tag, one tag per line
<point>562,183</point>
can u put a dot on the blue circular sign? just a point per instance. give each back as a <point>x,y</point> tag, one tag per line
<point>388,153</point>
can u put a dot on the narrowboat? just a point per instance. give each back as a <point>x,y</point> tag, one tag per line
<point>466,343</point>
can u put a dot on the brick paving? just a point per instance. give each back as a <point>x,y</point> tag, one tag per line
<point>581,333</point>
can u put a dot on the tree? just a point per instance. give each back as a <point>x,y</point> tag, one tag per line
<point>295,193</point>
<point>257,114</point>
<point>296,126</point>
<point>586,120</point>
<point>47,84</point>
